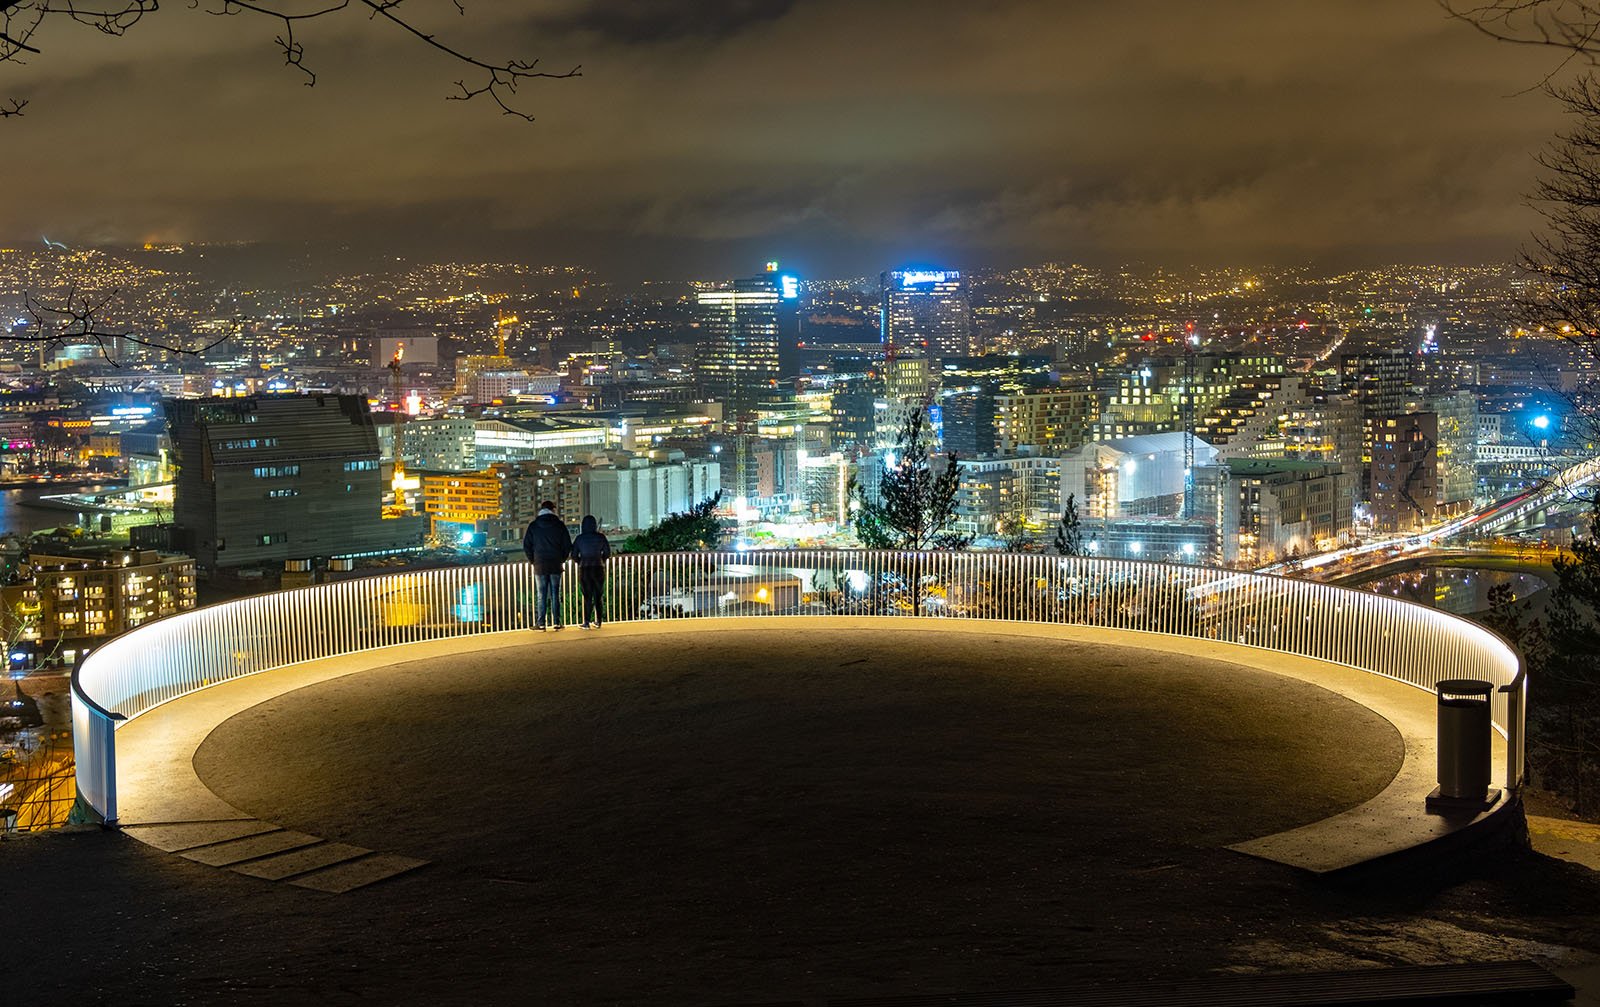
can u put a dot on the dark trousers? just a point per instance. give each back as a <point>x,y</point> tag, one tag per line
<point>592,582</point>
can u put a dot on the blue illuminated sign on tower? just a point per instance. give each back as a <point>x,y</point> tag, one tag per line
<point>789,287</point>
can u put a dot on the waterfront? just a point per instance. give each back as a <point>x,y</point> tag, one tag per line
<point>1458,590</point>
<point>19,514</point>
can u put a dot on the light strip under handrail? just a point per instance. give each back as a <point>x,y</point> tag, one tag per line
<point>1384,636</point>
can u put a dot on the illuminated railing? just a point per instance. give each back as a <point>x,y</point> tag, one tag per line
<point>167,659</point>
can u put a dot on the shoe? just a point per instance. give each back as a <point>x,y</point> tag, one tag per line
<point>538,629</point>
<point>584,625</point>
<point>558,627</point>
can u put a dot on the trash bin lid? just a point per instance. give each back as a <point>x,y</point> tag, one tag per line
<point>1464,687</point>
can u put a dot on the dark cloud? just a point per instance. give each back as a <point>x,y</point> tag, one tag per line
<point>705,137</point>
<point>648,22</point>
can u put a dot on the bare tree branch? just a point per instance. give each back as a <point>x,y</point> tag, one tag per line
<point>76,319</point>
<point>20,21</point>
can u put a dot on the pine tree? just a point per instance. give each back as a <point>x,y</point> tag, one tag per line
<point>1069,536</point>
<point>1565,676</point>
<point>916,505</point>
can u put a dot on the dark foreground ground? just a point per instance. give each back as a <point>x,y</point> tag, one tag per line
<point>749,816</point>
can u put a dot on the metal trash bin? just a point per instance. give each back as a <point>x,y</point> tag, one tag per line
<point>8,819</point>
<point>1465,730</point>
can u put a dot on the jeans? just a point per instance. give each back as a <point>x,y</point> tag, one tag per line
<point>592,582</point>
<point>547,604</point>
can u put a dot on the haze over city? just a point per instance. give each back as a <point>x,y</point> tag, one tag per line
<point>837,136</point>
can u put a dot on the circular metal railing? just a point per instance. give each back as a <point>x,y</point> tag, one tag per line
<point>178,655</point>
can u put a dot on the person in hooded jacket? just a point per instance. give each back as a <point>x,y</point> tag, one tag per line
<point>547,544</point>
<point>590,550</point>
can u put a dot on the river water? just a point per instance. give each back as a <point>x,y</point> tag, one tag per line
<point>1458,590</point>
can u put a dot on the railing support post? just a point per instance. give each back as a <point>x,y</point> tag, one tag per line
<point>1516,731</point>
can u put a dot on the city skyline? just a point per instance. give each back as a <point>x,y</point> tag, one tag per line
<point>1245,132</point>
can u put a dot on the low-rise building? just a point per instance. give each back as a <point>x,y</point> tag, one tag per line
<point>1270,509</point>
<point>537,440</point>
<point>632,493</point>
<point>73,601</point>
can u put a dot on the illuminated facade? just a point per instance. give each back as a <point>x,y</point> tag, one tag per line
<point>537,440</point>
<point>926,308</point>
<point>73,602</point>
<point>634,493</point>
<point>1405,472</point>
<point>1055,420</point>
<point>495,505</point>
<point>1130,476</point>
<point>746,322</point>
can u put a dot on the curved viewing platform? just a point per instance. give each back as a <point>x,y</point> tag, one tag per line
<point>878,770</point>
<point>1384,637</point>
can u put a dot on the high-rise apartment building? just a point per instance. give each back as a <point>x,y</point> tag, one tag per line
<point>265,479</point>
<point>927,308</point>
<point>1050,421</point>
<point>1405,472</point>
<point>1377,379</point>
<point>1457,448</point>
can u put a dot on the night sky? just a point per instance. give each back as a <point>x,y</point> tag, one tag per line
<point>842,136</point>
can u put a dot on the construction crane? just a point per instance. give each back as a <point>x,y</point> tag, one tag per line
<point>394,369</point>
<point>500,323</point>
<point>1186,414</point>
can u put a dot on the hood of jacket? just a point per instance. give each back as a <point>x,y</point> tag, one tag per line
<point>590,525</point>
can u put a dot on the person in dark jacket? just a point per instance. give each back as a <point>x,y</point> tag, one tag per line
<point>590,550</point>
<point>547,544</point>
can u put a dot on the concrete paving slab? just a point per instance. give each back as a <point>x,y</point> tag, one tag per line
<point>1578,842</point>
<point>179,836</point>
<point>240,850</point>
<point>300,861</point>
<point>355,874</point>
<point>158,780</point>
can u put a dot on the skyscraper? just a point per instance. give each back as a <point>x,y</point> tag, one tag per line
<point>927,308</point>
<point>748,324</point>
